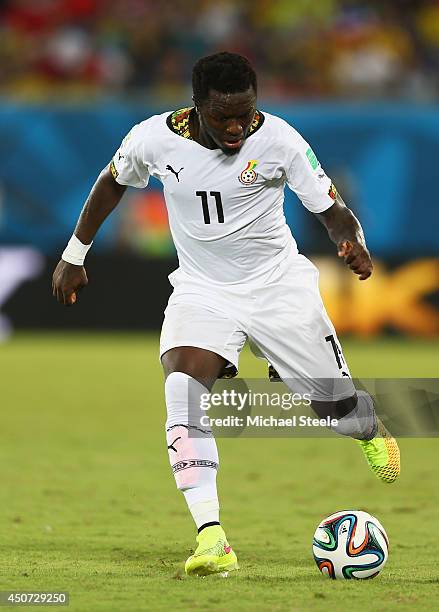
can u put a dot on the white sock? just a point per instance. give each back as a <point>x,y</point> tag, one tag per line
<point>191,447</point>
<point>361,422</point>
<point>204,511</point>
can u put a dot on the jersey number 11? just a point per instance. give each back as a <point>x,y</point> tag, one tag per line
<point>205,205</point>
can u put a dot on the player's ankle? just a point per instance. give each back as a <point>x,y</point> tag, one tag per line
<point>211,524</point>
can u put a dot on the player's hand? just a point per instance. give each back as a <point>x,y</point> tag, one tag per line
<point>357,257</point>
<point>67,280</point>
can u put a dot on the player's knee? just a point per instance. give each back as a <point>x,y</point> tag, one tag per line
<point>201,365</point>
<point>335,409</point>
<point>344,406</point>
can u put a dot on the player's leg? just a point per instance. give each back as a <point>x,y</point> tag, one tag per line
<point>295,334</point>
<point>196,345</point>
<point>190,373</point>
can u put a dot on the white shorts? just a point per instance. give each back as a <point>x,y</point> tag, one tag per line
<point>283,316</point>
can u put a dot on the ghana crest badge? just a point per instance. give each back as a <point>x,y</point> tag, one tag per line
<point>248,175</point>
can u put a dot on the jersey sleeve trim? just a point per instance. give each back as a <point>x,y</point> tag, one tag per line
<point>113,170</point>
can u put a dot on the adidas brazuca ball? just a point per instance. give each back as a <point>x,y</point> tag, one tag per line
<point>350,544</point>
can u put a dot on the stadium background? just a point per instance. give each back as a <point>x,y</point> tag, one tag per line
<point>360,81</point>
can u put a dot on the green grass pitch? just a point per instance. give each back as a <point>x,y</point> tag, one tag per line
<point>88,503</point>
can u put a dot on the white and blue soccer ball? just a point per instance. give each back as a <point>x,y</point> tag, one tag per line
<point>350,544</point>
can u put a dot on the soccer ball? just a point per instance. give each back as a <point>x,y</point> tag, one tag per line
<point>350,544</point>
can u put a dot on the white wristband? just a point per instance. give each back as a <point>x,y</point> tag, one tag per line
<point>75,251</point>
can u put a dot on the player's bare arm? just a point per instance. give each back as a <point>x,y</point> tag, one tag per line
<point>105,195</point>
<point>345,231</point>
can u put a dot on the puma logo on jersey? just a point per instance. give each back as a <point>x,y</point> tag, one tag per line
<point>171,169</point>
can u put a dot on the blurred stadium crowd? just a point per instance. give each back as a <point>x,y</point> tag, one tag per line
<point>82,49</point>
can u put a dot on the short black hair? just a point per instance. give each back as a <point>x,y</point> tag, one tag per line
<point>225,72</point>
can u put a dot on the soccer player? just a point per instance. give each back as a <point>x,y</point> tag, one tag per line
<point>224,165</point>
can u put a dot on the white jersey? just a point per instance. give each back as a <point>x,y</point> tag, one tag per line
<point>225,212</point>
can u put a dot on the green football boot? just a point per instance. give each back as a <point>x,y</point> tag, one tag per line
<point>382,454</point>
<point>213,554</point>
